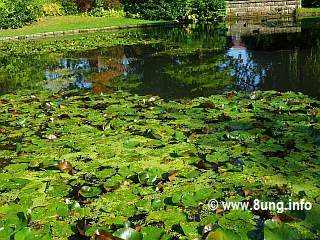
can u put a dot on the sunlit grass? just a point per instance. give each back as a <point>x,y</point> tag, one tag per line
<point>302,12</point>
<point>64,23</point>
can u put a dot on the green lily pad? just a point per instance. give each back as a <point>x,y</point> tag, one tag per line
<point>89,192</point>
<point>275,231</point>
<point>152,233</point>
<point>127,234</point>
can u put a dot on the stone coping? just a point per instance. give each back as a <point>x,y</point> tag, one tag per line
<point>78,31</point>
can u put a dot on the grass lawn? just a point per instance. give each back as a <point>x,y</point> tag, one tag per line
<point>64,23</point>
<point>301,12</point>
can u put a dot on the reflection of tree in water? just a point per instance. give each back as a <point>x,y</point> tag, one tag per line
<point>294,61</point>
<point>280,61</point>
<point>185,63</point>
<point>248,73</point>
<point>91,69</point>
<point>22,72</point>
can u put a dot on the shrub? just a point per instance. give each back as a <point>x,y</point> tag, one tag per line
<point>108,4</point>
<point>52,9</point>
<point>17,13</point>
<point>102,12</point>
<point>69,6</point>
<point>85,5</point>
<point>175,9</point>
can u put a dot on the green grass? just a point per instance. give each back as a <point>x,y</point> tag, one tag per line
<point>64,23</point>
<point>301,12</point>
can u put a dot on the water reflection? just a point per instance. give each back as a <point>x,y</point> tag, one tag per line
<point>190,61</point>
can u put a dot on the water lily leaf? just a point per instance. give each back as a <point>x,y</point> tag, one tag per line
<point>222,234</point>
<point>190,229</point>
<point>62,210</point>
<point>152,233</point>
<point>150,176</point>
<point>58,190</point>
<point>75,206</point>
<point>105,173</point>
<point>179,136</point>
<point>217,157</point>
<point>111,185</point>
<point>16,183</point>
<point>151,133</point>
<point>24,234</point>
<point>176,197</point>
<point>157,203</point>
<point>18,147</point>
<point>131,144</point>
<point>170,217</point>
<point>275,231</point>
<point>89,192</point>
<point>21,122</point>
<point>188,199</point>
<point>127,234</point>
<point>312,217</point>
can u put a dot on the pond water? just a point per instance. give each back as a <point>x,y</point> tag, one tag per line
<point>187,61</point>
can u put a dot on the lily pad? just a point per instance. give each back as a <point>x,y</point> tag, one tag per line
<point>89,192</point>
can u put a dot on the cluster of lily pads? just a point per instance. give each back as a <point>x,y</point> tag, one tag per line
<point>120,166</point>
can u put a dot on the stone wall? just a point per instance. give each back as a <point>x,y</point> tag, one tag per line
<point>260,8</point>
<point>244,27</point>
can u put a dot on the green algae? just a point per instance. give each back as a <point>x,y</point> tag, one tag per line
<point>141,167</point>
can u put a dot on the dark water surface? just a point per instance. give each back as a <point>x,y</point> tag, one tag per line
<point>189,61</point>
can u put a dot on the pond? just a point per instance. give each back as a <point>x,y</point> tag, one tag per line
<point>187,61</point>
<point>77,164</point>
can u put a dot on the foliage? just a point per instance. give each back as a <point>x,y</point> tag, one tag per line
<point>70,7</point>
<point>17,13</point>
<point>52,9</point>
<point>175,10</point>
<point>107,8</point>
<point>102,12</point>
<point>108,4</point>
<point>125,166</point>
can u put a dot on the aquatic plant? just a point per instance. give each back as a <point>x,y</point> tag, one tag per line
<point>123,166</point>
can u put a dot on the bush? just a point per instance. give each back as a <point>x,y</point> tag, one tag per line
<point>108,4</point>
<point>102,12</point>
<point>85,5</point>
<point>17,13</point>
<point>52,9</point>
<point>69,6</point>
<point>175,9</point>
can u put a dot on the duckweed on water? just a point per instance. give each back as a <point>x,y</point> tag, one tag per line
<point>120,166</point>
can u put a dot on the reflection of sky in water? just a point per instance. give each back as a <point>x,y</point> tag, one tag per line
<point>246,72</point>
<point>125,62</point>
<point>67,74</point>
